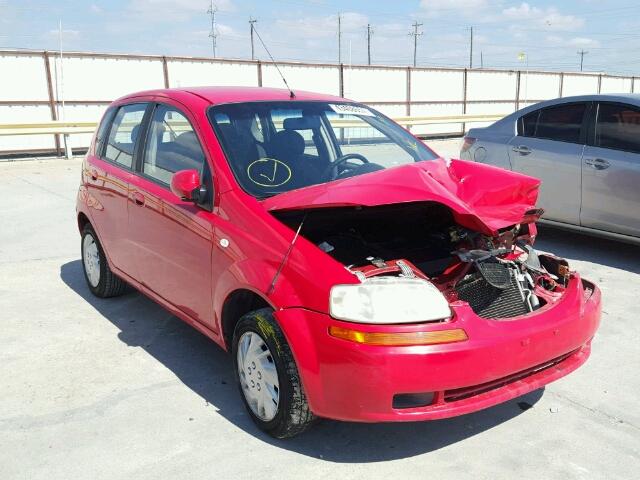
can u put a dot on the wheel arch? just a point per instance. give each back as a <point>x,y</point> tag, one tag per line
<point>83,221</point>
<point>238,303</point>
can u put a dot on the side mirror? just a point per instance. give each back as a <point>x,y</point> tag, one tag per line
<point>186,185</point>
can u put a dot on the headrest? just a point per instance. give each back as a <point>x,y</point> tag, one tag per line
<point>135,131</point>
<point>188,140</point>
<point>287,144</point>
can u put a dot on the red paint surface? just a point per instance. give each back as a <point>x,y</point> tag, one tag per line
<point>170,250</point>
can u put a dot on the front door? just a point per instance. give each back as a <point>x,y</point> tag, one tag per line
<point>549,146</point>
<point>611,171</point>
<point>172,238</point>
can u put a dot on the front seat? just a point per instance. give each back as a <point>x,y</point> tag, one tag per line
<point>288,147</point>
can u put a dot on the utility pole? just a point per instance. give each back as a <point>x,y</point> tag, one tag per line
<point>471,47</point>
<point>252,21</point>
<point>582,53</point>
<point>369,32</point>
<point>481,60</point>
<point>339,39</point>
<point>415,34</point>
<point>214,36</point>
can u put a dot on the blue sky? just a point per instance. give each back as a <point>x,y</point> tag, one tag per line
<point>550,32</point>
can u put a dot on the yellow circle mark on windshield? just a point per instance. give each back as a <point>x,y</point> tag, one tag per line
<point>269,172</point>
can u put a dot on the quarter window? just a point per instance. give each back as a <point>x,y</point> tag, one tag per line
<point>618,127</point>
<point>561,123</point>
<point>124,134</point>
<point>172,145</point>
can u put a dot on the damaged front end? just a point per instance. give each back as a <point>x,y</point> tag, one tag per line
<point>499,276</point>
<point>463,227</point>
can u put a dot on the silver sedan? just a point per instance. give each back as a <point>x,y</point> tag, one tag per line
<point>586,151</point>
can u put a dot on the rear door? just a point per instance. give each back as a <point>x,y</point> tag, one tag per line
<point>549,146</point>
<point>611,170</point>
<point>172,238</point>
<point>108,176</point>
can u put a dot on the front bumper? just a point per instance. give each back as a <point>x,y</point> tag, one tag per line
<point>501,360</point>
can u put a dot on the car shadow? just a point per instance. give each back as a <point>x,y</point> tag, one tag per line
<point>578,246</point>
<point>206,369</point>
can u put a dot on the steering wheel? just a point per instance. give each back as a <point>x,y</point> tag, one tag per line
<point>339,161</point>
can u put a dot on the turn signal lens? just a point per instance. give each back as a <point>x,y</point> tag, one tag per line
<point>399,339</point>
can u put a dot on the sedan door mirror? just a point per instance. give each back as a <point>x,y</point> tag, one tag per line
<point>186,185</point>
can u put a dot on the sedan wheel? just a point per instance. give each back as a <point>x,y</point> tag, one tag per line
<point>268,376</point>
<point>258,376</point>
<point>91,259</point>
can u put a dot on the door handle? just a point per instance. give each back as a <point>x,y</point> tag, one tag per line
<point>138,198</point>
<point>522,150</point>
<point>597,163</point>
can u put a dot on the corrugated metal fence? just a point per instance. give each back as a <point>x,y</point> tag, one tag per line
<point>31,89</point>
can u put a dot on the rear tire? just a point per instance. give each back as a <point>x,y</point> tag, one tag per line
<point>100,279</point>
<point>276,404</point>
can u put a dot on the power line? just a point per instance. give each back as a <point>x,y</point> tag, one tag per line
<point>415,34</point>
<point>582,53</point>
<point>252,22</point>
<point>214,36</point>
<point>339,39</point>
<point>369,32</point>
<point>470,47</point>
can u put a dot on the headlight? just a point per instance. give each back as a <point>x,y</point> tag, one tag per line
<point>385,300</point>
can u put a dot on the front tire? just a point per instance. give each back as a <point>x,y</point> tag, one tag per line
<point>268,377</point>
<point>100,279</point>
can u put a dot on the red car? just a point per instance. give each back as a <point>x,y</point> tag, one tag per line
<point>352,273</point>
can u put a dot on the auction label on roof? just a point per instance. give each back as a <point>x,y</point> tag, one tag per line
<point>348,109</point>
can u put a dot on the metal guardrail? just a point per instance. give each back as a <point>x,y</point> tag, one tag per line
<point>67,128</point>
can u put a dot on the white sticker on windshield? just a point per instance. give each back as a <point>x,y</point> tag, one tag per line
<point>349,109</point>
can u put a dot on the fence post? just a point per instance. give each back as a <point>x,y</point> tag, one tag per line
<point>518,76</point>
<point>633,84</point>
<point>599,83</point>
<point>52,102</point>
<point>464,98</point>
<point>408,109</point>
<point>165,72</point>
<point>341,80</point>
<point>259,67</point>
<point>561,84</point>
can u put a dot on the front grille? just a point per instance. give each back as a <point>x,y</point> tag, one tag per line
<point>488,301</point>
<point>467,392</point>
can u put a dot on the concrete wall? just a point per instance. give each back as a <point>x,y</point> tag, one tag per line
<point>31,87</point>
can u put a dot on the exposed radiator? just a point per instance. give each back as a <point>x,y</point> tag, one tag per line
<point>491,302</point>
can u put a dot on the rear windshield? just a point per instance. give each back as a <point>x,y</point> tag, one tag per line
<point>274,147</point>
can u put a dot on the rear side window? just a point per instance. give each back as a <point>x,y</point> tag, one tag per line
<point>618,127</point>
<point>172,145</point>
<point>124,133</point>
<point>562,123</point>
<point>103,131</point>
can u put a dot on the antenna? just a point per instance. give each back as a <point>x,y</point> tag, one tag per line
<point>291,94</point>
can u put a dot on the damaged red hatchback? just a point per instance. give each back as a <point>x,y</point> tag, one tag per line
<point>351,272</point>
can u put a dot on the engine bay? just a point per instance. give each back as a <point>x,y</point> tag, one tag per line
<point>500,278</point>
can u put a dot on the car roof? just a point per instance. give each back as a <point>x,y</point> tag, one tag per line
<point>505,125</point>
<point>219,95</point>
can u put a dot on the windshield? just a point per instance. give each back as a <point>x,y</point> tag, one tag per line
<point>274,147</point>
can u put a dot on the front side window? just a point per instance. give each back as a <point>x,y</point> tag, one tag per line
<point>618,127</point>
<point>124,134</point>
<point>172,145</point>
<point>562,123</point>
<point>274,147</point>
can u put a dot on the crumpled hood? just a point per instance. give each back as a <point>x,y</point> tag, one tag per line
<point>482,197</point>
